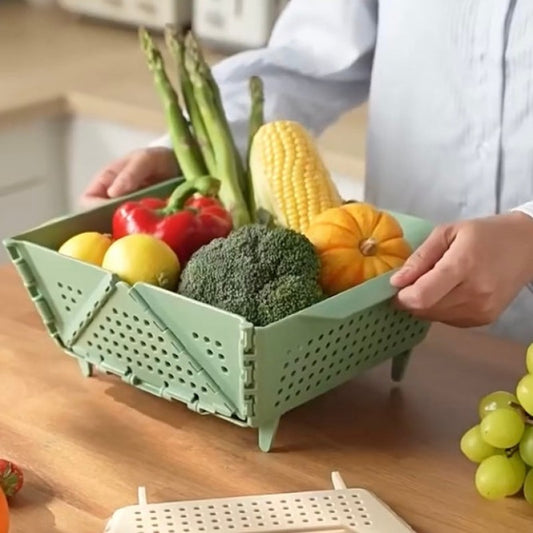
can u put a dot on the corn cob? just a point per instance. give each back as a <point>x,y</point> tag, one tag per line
<point>289,178</point>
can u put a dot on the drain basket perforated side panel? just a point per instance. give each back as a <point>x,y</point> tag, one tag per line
<point>124,338</point>
<point>304,357</point>
<point>354,510</point>
<point>212,337</point>
<point>72,290</point>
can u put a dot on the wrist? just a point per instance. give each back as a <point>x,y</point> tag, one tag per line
<point>522,227</point>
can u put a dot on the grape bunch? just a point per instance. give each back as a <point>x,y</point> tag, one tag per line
<point>502,443</point>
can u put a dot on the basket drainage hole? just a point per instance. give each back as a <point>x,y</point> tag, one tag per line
<point>195,335</point>
<point>224,369</point>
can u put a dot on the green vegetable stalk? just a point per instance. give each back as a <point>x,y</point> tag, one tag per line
<point>176,45</point>
<point>184,145</point>
<point>231,193</point>
<point>256,121</point>
<point>192,47</point>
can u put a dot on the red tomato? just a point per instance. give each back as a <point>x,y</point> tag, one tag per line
<point>11,477</point>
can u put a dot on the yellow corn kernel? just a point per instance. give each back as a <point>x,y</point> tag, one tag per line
<point>289,177</point>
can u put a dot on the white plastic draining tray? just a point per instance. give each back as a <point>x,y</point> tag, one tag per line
<point>334,511</point>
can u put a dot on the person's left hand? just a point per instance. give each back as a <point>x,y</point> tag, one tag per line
<point>465,274</point>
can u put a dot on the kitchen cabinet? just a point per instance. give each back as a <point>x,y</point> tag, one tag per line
<point>31,175</point>
<point>47,163</point>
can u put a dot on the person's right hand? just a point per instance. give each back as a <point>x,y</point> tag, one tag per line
<point>135,171</point>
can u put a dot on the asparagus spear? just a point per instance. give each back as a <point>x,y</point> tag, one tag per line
<point>192,47</point>
<point>176,45</point>
<point>184,145</point>
<point>231,193</point>
<point>256,121</point>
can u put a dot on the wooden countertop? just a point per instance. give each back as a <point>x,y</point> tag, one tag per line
<point>58,63</point>
<point>86,444</point>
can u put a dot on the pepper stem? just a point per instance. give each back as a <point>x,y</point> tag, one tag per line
<point>368,246</point>
<point>205,185</point>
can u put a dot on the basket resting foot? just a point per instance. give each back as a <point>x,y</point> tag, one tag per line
<point>267,433</point>
<point>399,365</point>
<point>86,368</point>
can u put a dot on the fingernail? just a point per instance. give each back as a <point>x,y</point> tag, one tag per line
<point>397,277</point>
<point>114,192</point>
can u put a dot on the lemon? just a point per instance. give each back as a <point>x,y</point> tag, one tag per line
<point>89,247</point>
<point>142,258</point>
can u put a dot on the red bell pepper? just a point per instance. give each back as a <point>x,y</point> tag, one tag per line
<point>185,221</point>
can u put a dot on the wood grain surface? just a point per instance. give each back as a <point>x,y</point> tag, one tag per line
<point>87,444</point>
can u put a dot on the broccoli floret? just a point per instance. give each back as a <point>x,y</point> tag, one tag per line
<point>286,295</point>
<point>263,274</point>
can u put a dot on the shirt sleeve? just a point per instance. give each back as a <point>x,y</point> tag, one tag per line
<point>526,208</point>
<point>316,66</point>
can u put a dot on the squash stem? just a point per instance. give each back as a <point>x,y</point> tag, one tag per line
<point>368,246</point>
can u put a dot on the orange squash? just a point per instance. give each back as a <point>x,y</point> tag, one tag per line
<point>356,242</point>
<point>4,513</point>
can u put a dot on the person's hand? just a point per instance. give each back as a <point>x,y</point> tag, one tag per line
<point>465,274</point>
<point>136,170</point>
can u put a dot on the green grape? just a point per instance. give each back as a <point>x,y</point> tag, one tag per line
<point>526,446</point>
<point>529,359</point>
<point>502,428</point>
<point>474,447</point>
<point>528,487</point>
<point>519,469</point>
<point>493,401</point>
<point>524,393</point>
<point>495,477</point>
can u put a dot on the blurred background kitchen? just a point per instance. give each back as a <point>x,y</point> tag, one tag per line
<point>75,93</point>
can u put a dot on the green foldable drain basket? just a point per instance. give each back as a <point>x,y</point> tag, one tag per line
<point>213,361</point>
